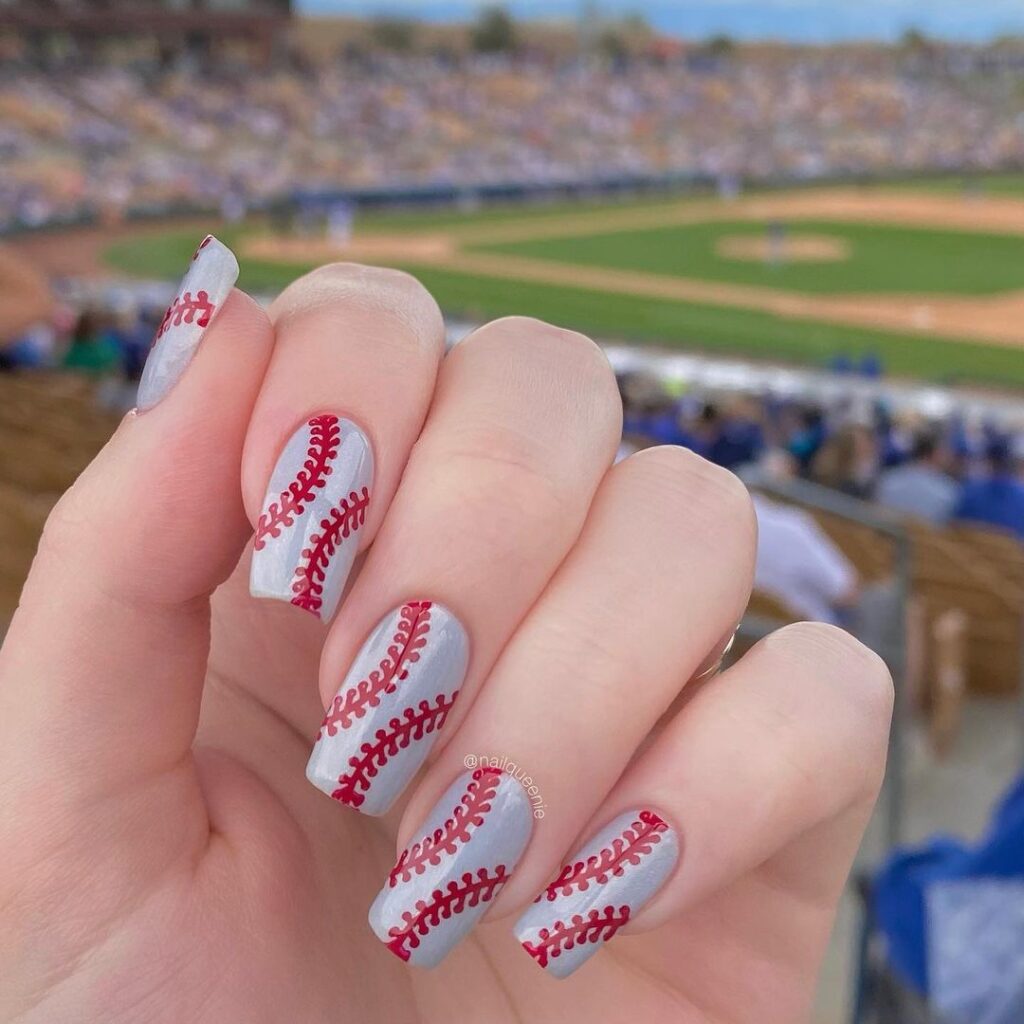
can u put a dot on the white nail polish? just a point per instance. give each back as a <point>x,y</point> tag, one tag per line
<point>391,707</point>
<point>464,854</point>
<point>308,533</point>
<point>605,883</point>
<point>204,288</point>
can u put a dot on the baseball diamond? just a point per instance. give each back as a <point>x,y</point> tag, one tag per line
<point>929,279</point>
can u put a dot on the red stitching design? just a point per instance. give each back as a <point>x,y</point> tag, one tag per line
<point>634,843</point>
<point>409,639</point>
<point>453,899</point>
<point>413,724</point>
<point>597,925</point>
<point>324,433</point>
<point>187,309</point>
<point>201,246</point>
<point>341,521</point>
<point>469,815</point>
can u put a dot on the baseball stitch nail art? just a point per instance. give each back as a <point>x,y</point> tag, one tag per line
<point>391,707</point>
<point>444,881</point>
<point>207,283</point>
<point>308,533</point>
<point>598,891</point>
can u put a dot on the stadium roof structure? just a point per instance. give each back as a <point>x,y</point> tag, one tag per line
<point>172,21</point>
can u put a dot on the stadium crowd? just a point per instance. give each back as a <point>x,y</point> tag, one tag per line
<point>939,471</point>
<point>107,138</point>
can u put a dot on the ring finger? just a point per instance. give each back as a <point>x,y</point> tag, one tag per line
<point>643,598</point>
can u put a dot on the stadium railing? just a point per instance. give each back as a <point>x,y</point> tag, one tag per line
<point>891,532</point>
<point>960,596</point>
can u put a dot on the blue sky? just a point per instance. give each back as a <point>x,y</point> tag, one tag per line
<point>804,20</point>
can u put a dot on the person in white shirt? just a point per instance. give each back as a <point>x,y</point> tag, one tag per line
<point>798,563</point>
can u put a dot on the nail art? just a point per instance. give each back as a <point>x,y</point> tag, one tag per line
<point>307,535</point>
<point>207,283</point>
<point>598,891</point>
<point>444,881</point>
<point>391,707</point>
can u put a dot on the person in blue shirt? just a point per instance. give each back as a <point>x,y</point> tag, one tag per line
<point>996,499</point>
<point>734,436</point>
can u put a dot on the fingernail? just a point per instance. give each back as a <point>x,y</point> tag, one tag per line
<point>207,283</point>
<point>463,855</point>
<point>598,891</point>
<point>308,533</point>
<point>391,707</point>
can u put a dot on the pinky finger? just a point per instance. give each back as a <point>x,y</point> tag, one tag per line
<point>792,737</point>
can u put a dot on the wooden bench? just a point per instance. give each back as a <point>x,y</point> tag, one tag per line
<point>50,429</point>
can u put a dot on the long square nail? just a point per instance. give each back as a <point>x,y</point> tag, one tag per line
<point>391,707</point>
<point>598,891</point>
<point>464,854</point>
<point>308,533</point>
<point>207,283</point>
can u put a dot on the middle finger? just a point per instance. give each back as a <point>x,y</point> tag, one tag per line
<point>524,424</point>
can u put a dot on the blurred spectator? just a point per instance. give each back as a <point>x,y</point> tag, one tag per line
<point>34,349</point>
<point>997,497</point>
<point>734,437</point>
<point>807,435</point>
<point>92,350</point>
<point>921,486</point>
<point>848,461</point>
<point>799,565</point>
<point>132,336</point>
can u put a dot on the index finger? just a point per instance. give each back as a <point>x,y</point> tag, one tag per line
<point>342,403</point>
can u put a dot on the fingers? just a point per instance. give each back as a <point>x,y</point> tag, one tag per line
<point>523,427</point>
<point>790,739</point>
<point>104,661</point>
<point>636,606</point>
<point>346,394</point>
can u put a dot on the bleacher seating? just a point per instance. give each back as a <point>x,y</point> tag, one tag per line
<point>967,570</point>
<point>50,429</point>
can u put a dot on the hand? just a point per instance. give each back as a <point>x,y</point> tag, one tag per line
<point>163,857</point>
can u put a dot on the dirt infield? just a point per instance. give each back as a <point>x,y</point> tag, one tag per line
<point>793,248</point>
<point>78,252</point>
<point>432,249</point>
<point>994,319</point>
<point>25,296</point>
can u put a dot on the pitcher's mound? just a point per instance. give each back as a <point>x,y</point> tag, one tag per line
<point>791,248</point>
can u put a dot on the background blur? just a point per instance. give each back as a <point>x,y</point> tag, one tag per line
<point>796,225</point>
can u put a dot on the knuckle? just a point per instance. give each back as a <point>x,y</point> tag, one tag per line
<point>844,664</point>
<point>62,527</point>
<point>689,483</point>
<point>524,329</point>
<point>559,347</point>
<point>63,530</point>
<point>560,370</point>
<point>378,290</point>
<point>504,487</point>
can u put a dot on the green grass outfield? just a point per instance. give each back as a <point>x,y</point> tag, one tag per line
<point>1007,184</point>
<point>882,259</point>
